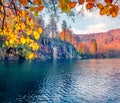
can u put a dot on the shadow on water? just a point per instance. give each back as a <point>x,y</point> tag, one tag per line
<point>61,81</point>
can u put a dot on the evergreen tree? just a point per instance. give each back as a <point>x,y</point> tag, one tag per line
<point>95,45</point>
<point>53,26</point>
<point>64,27</point>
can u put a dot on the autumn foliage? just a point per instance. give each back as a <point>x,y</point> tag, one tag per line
<point>18,30</point>
<point>107,7</point>
<point>66,35</point>
<point>100,44</point>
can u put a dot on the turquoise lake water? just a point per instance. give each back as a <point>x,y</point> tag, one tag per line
<point>60,81</point>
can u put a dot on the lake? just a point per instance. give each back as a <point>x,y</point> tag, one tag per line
<point>60,81</point>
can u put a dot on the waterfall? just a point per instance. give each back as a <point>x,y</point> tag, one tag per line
<point>71,56</point>
<point>55,52</point>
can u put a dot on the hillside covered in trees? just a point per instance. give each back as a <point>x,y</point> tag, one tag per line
<point>100,45</point>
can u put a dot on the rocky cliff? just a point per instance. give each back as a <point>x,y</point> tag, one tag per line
<point>57,49</point>
<point>49,49</point>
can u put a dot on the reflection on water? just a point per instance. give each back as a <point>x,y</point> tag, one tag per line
<point>61,81</point>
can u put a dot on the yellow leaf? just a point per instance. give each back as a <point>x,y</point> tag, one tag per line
<point>16,18</point>
<point>7,43</point>
<point>36,35</point>
<point>22,40</point>
<point>36,13</point>
<point>31,40</point>
<point>22,26</point>
<point>66,8</point>
<point>17,27</point>
<point>40,30</point>
<point>3,45</point>
<point>11,41</point>
<point>24,12</point>
<point>30,56</point>
<point>14,37</point>
<point>66,1</point>
<point>32,8</point>
<point>28,40</point>
<point>35,47</point>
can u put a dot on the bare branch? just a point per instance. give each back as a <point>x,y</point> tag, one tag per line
<point>54,6</point>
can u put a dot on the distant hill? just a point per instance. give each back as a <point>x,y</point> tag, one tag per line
<point>105,44</point>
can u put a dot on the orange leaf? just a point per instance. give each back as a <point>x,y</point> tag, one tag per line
<point>72,4</point>
<point>28,31</point>
<point>17,41</point>
<point>115,10</point>
<point>90,5</point>
<point>24,2</point>
<point>81,2</point>
<point>104,10</point>
<point>35,2</point>
<point>90,0</point>
<point>39,8</point>
<point>100,6</point>
<point>114,14</point>
<point>108,1</point>
<point>109,11</point>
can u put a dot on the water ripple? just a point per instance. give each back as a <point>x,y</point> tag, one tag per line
<point>67,81</point>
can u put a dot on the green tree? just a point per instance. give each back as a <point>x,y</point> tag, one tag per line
<point>53,25</point>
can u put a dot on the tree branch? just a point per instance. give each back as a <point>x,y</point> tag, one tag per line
<point>54,6</point>
<point>14,6</point>
<point>4,15</point>
<point>115,2</point>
